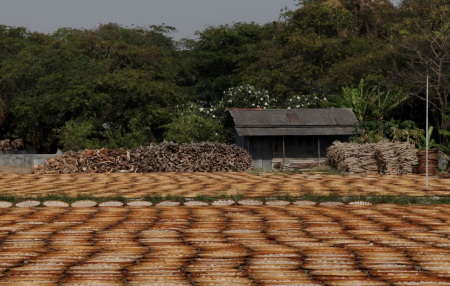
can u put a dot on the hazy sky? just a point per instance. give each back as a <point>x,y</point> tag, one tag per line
<point>187,16</point>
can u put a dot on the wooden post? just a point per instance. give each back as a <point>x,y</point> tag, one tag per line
<point>248,145</point>
<point>318,149</point>
<point>283,151</point>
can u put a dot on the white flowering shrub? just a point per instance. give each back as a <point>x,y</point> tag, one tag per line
<point>247,96</point>
<point>244,96</point>
<point>303,101</point>
<point>195,123</point>
<point>189,108</point>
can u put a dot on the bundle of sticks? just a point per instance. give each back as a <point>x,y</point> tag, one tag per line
<point>166,157</point>
<point>376,158</point>
<point>8,145</point>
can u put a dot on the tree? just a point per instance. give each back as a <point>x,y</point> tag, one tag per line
<point>218,55</point>
<point>122,80</point>
<point>12,41</point>
<point>320,47</point>
<point>421,40</point>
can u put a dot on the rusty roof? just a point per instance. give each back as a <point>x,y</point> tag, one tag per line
<point>284,122</point>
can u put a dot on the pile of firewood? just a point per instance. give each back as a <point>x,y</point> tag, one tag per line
<point>8,145</point>
<point>195,157</point>
<point>377,158</point>
<point>166,157</point>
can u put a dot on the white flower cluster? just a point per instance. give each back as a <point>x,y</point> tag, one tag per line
<point>245,96</point>
<point>189,108</point>
<point>304,101</point>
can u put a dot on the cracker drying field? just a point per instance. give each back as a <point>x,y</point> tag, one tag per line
<point>137,185</point>
<point>228,245</point>
<point>299,243</point>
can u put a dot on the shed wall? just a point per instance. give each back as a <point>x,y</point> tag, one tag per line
<point>239,140</point>
<point>264,149</point>
<point>262,152</point>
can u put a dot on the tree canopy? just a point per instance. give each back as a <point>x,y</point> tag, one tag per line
<point>120,80</point>
<point>116,86</point>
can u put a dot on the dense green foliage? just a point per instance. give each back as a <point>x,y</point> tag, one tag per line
<point>116,86</point>
<point>393,130</point>
<point>191,127</point>
<point>112,81</point>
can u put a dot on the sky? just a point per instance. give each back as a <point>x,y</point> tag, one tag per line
<point>187,16</point>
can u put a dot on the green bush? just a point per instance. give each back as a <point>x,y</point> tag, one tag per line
<point>79,135</point>
<point>189,128</point>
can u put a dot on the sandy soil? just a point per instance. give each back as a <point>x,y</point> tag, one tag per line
<point>11,170</point>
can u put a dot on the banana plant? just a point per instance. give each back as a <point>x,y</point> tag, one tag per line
<point>357,99</point>
<point>383,104</point>
<point>367,104</point>
<point>421,143</point>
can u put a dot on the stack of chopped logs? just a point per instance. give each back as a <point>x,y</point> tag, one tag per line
<point>166,157</point>
<point>8,145</point>
<point>377,158</point>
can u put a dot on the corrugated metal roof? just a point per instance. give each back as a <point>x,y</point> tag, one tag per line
<point>337,121</point>
<point>295,131</point>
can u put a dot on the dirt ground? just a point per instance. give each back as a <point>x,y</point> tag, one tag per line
<point>11,170</point>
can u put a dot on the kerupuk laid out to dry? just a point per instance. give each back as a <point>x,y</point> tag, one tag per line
<point>375,245</point>
<point>382,157</point>
<point>166,157</point>
<point>214,184</point>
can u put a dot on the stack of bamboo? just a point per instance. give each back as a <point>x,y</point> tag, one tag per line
<point>395,158</point>
<point>382,157</point>
<point>353,158</point>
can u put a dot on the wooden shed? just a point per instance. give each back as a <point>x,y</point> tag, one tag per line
<point>297,138</point>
